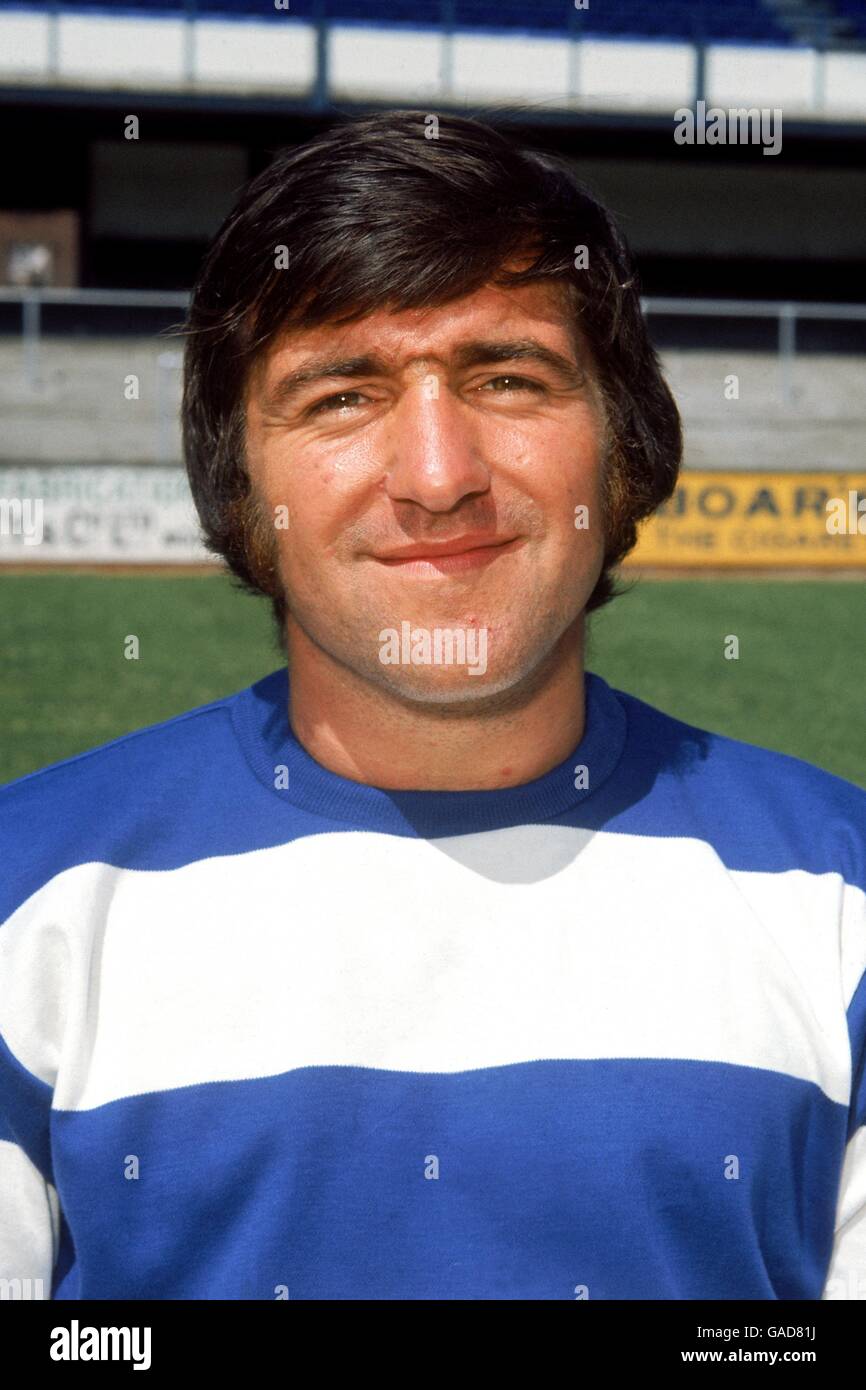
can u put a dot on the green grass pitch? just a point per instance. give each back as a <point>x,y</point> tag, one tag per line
<point>799,684</point>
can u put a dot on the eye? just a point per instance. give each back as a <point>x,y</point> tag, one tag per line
<point>335,402</point>
<point>514,383</point>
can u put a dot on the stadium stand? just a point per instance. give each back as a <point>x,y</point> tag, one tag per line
<point>221,84</point>
<point>825,22</point>
<point>740,20</point>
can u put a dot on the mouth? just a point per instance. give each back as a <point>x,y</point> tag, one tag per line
<point>447,560</point>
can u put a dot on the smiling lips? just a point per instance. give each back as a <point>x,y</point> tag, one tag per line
<point>461,553</point>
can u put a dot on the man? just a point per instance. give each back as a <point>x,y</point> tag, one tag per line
<point>431,966</point>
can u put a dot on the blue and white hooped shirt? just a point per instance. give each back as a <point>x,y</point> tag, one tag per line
<point>267,1032</point>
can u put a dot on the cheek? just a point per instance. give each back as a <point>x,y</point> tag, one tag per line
<point>319,478</point>
<point>319,513</point>
<point>296,491</point>
<point>568,491</point>
<point>555,453</point>
<point>578,505</point>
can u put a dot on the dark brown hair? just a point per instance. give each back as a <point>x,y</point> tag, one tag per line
<point>376,214</point>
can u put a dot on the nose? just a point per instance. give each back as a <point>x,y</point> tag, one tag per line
<point>434,448</point>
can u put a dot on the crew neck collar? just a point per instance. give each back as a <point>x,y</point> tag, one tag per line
<point>261,722</point>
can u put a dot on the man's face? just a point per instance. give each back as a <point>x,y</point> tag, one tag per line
<point>475,424</point>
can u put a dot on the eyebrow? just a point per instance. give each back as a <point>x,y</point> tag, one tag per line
<point>473,354</point>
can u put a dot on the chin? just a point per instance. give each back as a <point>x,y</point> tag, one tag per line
<point>440,689</point>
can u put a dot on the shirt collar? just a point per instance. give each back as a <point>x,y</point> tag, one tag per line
<point>279,760</point>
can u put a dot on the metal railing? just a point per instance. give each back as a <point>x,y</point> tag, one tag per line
<point>445,21</point>
<point>787,313</point>
<point>33,300</point>
<point>66,403</point>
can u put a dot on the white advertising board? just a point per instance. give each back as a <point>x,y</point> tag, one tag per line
<point>116,513</point>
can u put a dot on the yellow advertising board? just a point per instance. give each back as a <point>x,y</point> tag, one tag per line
<point>769,520</point>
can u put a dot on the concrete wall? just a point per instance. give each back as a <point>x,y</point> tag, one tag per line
<point>78,413</point>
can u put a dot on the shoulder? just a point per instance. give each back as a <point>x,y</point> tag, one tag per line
<point>137,801</point>
<point>75,779</point>
<point>768,809</point>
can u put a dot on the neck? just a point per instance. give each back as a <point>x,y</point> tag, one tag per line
<point>367,734</point>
